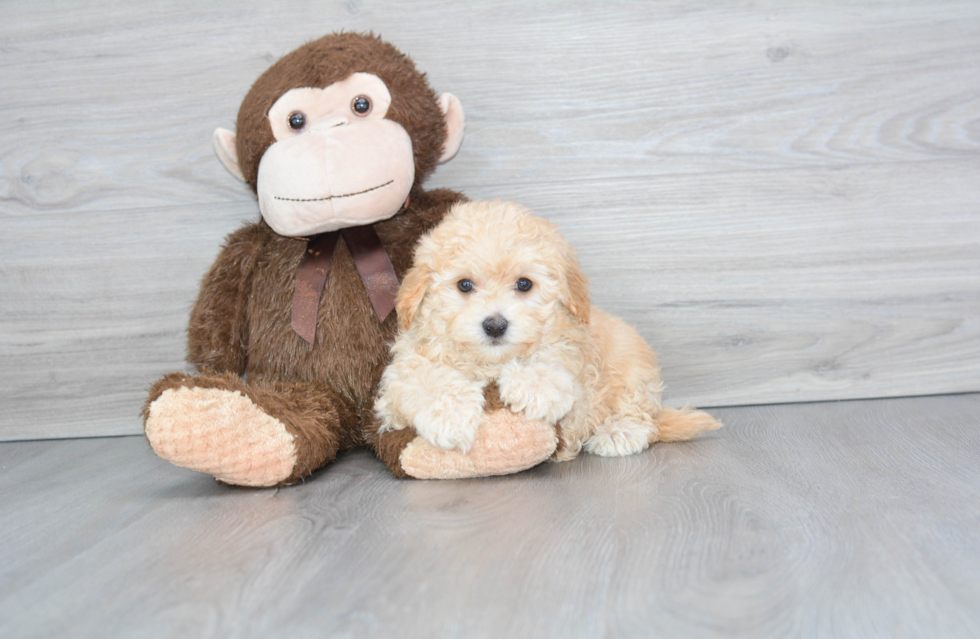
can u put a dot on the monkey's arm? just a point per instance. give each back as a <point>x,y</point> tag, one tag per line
<point>217,336</point>
<point>505,443</point>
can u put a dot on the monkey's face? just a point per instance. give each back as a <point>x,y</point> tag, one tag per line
<point>337,149</point>
<point>337,161</point>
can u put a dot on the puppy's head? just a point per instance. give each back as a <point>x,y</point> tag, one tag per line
<point>493,280</point>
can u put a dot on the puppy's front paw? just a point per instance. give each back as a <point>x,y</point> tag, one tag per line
<point>451,421</point>
<point>538,391</point>
<point>618,439</point>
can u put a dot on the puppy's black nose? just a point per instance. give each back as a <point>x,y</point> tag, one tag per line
<point>495,326</point>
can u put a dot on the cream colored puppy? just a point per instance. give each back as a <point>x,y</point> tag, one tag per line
<point>496,296</point>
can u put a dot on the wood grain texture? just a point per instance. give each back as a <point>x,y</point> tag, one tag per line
<point>850,519</point>
<point>782,198</point>
<point>552,92</point>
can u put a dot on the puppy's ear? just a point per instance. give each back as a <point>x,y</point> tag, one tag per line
<point>574,292</point>
<point>411,293</point>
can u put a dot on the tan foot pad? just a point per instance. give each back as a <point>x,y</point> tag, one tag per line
<point>221,433</point>
<point>505,443</point>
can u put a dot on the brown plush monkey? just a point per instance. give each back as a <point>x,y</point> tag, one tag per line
<point>336,139</point>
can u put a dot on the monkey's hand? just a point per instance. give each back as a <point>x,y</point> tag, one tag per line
<point>538,389</point>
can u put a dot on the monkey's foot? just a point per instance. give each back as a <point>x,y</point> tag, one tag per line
<point>505,443</point>
<point>222,433</point>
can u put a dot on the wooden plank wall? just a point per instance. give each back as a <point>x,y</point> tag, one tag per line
<point>784,198</point>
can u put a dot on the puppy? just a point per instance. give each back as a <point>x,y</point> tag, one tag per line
<point>496,295</point>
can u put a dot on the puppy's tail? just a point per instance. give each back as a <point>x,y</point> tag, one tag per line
<point>679,424</point>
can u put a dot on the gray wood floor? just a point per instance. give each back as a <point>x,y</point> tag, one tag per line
<point>782,196</point>
<point>851,519</point>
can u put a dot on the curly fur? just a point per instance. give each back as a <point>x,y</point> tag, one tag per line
<point>559,360</point>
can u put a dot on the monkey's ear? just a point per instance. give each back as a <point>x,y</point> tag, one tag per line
<point>224,147</point>
<point>411,293</point>
<point>452,111</point>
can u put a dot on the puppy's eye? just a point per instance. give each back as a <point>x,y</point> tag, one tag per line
<point>524,285</point>
<point>465,286</point>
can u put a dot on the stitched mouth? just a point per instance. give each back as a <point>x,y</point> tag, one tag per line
<point>333,197</point>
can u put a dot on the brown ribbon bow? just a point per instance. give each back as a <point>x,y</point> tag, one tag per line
<point>371,260</point>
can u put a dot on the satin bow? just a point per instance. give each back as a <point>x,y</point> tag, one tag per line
<point>371,260</point>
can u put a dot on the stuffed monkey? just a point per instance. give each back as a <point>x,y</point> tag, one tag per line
<point>290,331</point>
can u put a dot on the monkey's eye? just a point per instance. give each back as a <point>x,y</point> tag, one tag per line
<point>524,285</point>
<point>465,286</point>
<point>361,105</point>
<point>297,121</point>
